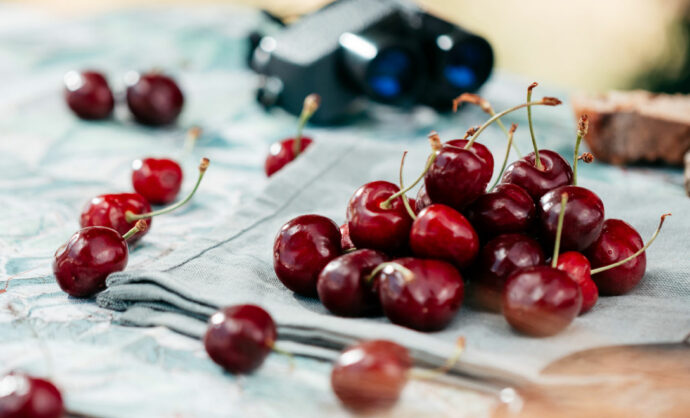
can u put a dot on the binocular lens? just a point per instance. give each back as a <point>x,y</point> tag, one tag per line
<point>468,64</point>
<point>391,73</point>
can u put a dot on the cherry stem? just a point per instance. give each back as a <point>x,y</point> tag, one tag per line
<point>407,273</point>
<point>192,135</point>
<point>406,201</point>
<point>290,356</point>
<point>582,126</point>
<point>131,217</point>
<point>311,104</point>
<point>447,366</point>
<point>537,160</point>
<point>559,230</point>
<point>545,101</point>
<point>140,226</point>
<point>638,253</point>
<point>486,107</point>
<point>511,133</point>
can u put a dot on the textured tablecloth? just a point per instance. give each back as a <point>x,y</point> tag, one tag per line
<point>51,163</point>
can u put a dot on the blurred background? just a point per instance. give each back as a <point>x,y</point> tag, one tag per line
<point>586,45</point>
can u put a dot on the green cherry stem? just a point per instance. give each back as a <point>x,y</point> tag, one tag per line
<point>559,230</point>
<point>193,135</point>
<point>311,105</point>
<point>406,273</point>
<point>640,251</point>
<point>131,217</point>
<point>537,160</point>
<point>486,107</point>
<point>406,201</point>
<point>428,374</point>
<point>582,126</point>
<point>140,226</point>
<point>511,133</point>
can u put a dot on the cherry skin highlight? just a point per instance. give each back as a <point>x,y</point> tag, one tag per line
<point>423,200</point>
<point>578,268</point>
<point>85,261</point>
<point>541,301</point>
<point>88,95</point>
<point>583,220</point>
<point>441,232</point>
<point>555,172</point>
<point>239,338</point>
<point>282,153</point>
<point>345,241</point>
<point>617,241</point>
<point>343,287</point>
<point>157,179</point>
<point>370,376</point>
<point>24,396</point>
<point>302,249</point>
<point>426,300</point>
<point>154,99</point>
<point>457,177</point>
<point>109,210</point>
<point>373,226</point>
<point>506,209</point>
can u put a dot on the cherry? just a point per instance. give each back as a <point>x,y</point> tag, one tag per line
<point>498,259</point>
<point>583,221</point>
<point>302,249</point>
<point>345,241</point>
<point>345,287</point>
<point>555,172</point>
<point>541,300</point>
<point>158,180</point>
<point>23,396</point>
<point>371,375</point>
<point>421,294</point>
<point>422,200</point>
<point>506,209</point>
<point>578,268</point>
<point>88,95</point>
<point>239,338</point>
<point>153,98</point>
<point>83,263</point>
<point>285,151</point>
<point>377,222</point>
<point>441,232</point>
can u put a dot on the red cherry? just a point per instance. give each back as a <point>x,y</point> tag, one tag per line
<point>441,232</point>
<point>342,285</point>
<point>578,268</point>
<point>23,396</point>
<point>617,241</point>
<point>583,219</point>
<point>302,249</point>
<point>420,294</point>
<point>506,209</point>
<point>283,152</point>
<point>555,172</point>
<point>371,224</point>
<point>88,94</point>
<point>109,210</point>
<point>371,375</point>
<point>239,338</point>
<point>498,259</point>
<point>541,300</point>
<point>345,241</point>
<point>85,261</point>
<point>158,180</point>
<point>458,176</point>
<point>422,200</point>
<point>153,98</point>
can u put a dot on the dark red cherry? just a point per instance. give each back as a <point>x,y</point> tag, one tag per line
<point>239,338</point>
<point>88,94</point>
<point>345,241</point>
<point>158,180</point>
<point>555,172</point>
<point>578,268</point>
<point>423,295</point>
<point>370,376</point>
<point>109,210</point>
<point>617,241</point>
<point>541,301</point>
<point>371,224</point>
<point>85,261</point>
<point>343,287</point>
<point>302,249</point>
<point>153,98</point>
<point>458,176</point>
<point>442,232</point>
<point>498,259</point>
<point>283,152</point>
<point>23,396</point>
<point>422,200</point>
<point>582,222</point>
<point>506,209</point>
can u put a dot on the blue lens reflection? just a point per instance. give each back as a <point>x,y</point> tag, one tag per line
<point>390,73</point>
